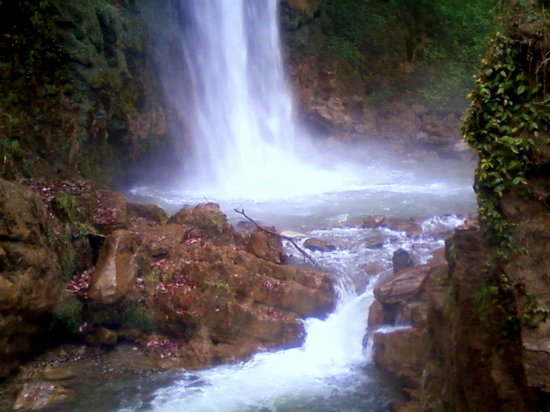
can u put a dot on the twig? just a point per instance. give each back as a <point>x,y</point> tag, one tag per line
<point>287,238</point>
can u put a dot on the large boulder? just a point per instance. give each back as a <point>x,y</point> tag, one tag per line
<point>319,245</point>
<point>151,213</point>
<point>205,221</point>
<point>405,286</point>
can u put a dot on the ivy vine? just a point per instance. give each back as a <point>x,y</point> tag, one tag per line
<point>505,117</point>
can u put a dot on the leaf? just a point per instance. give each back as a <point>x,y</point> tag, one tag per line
<point>520,89</point>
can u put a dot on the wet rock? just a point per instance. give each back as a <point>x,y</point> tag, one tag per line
<point>401,259</point>
<point>379,315</point>
<point>372,222</point>
<point>116,268</point>
<point>152,213</point>
<point>319,245</point>
<point>266,246</point>
<point>58,373</point>
<point>402,353</point>
<point>411,227</point>
<point>405,286</point>
<point>376,241</point>
<point>41,395</point>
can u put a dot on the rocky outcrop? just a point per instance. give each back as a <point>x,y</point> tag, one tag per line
<point>192,289</point>
<point>222,295</point>
<point>30,273</point>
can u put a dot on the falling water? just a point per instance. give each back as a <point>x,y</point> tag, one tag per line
<point>237,105</point>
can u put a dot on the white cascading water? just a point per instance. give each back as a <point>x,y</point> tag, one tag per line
<point>238,109</point>
<point>238,106</point>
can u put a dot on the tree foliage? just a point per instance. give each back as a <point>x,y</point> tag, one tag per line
<point>430,48</point>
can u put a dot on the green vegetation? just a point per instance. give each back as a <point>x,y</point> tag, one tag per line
<point>425,50</point>
<point>68,315</point>
<point>126,314</point>
<point>67,207</point>
<point>70,86</point>
<point>533,315</point>
<point>217,284</point>
<point>507,114</point>
<point>496,304</point>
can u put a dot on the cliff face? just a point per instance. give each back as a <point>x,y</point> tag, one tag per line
<point>390,71</point>
<point>77,93</point>
<point>486,325</point>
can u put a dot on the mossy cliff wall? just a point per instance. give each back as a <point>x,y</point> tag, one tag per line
<point>77,95</point>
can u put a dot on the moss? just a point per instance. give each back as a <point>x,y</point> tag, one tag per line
<point>533,315</point>
<point>495,304</point>
<point>67,316</point>
<point>217,284</point>
<point>126,314</point>
<point>66,207</point>
<point>70,85</point>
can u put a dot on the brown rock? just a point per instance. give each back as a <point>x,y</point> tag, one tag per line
<point>106,337</point>
<point>206,221</point>
<point>116,268</point>
<point>30,275</point>
<point>152,213</point>
<point>372,222</point>
<point>59,373</point>
<point>402,353</point>
<point>105,210</point>
<point>379,315</point>
<point>224,302</point>
<point>266,246</point>
<point>375,242</point>
<point>41,395</point>
<point>406,285</point>
<point>411,227</point>
<point>319,245</point>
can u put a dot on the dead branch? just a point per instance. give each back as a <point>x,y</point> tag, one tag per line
<point>282,237</point>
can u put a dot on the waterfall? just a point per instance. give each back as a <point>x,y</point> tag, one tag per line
<point>232,95</point>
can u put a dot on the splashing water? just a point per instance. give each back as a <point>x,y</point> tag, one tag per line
<point>238,106</point>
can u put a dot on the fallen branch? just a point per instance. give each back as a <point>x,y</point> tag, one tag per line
<point>282,237</point>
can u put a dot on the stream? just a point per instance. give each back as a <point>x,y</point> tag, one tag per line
<point>248,150</point>
<point>332,371</point>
